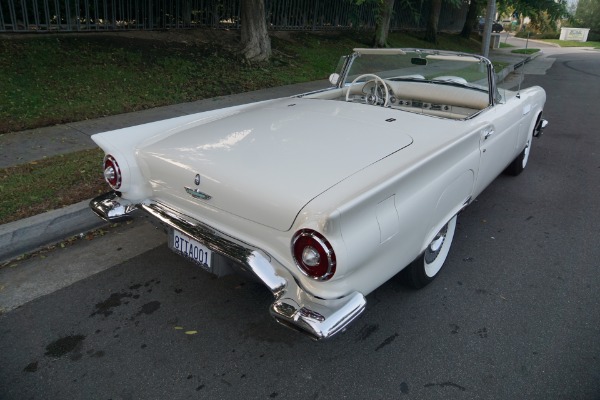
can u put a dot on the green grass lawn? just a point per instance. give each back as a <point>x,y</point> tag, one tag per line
<point>525,51</point>
<point>49,184</point>
<point>569,43</point>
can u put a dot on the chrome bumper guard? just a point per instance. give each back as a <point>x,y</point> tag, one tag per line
<point>539,129</point>
<point>293,306</point>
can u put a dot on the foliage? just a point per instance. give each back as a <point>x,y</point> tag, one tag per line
<point>588,14</point>
<point>434,17</point>
<point>525,34</point>
<point>552,35</point>
<point>476,8</point>
<point>543,13</point>
<point>385,10</point>
<point>455,3</point>
<point>532,35</point>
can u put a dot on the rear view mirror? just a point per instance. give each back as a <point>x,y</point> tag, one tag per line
<point>418,61</point>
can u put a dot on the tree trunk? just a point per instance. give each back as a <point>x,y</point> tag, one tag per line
<point>382,24</point>
<point>471,19</point>
<point>432,22</point>
<point>256,44</point>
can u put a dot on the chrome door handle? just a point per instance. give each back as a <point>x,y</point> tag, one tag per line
<point>487,134</point>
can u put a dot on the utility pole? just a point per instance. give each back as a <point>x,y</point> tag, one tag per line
<point>487,29</point>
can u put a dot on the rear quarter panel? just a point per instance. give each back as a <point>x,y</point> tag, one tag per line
<point>392,210</point>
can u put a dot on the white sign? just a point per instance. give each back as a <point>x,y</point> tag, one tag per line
<point>574,34</point>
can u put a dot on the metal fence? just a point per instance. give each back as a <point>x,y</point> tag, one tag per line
<point>114,15</point>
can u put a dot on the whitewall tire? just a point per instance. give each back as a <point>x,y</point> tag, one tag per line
<point>428,265</point>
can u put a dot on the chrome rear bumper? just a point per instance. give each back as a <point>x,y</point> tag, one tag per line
<point>293,306</point>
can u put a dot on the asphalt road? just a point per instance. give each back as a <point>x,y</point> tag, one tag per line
<point>515,314</point>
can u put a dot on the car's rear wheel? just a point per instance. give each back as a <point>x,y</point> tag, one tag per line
<point>427,266</point>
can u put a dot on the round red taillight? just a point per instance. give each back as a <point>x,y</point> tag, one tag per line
<point>112,172</point>
<point>313,254</point>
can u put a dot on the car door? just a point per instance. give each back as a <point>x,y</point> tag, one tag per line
<point>498,142</point>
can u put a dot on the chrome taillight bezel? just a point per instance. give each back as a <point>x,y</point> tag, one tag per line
<point>111,167</point>
<point>327,259</point>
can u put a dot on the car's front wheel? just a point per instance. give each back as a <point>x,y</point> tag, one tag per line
<point>519,163</point>
<point>427,266</point>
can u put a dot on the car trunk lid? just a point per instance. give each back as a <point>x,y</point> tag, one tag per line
<point>265,165</point>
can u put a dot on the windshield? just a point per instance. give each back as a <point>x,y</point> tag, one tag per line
<point>449,68</point>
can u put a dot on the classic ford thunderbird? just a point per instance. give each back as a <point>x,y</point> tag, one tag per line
<point>324,196</point>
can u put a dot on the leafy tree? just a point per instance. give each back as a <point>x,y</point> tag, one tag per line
<point>432,21</point>
<point>384,11</point>
<point>382,24</point>
<point>475,7</point>
<point>434,18</point>
<point>256,44</point>
<point>587,14</point>
<point>537,10</point>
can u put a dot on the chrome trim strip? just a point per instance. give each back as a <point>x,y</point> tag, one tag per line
<point>293,307</point>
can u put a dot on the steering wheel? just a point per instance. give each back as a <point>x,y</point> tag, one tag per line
<point>373,97</point>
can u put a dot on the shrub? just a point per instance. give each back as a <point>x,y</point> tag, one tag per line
<point>552,35</point>
<point>593,36</point>
<point>525,34</point>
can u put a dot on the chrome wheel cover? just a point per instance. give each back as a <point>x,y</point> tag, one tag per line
<point>437,251</point>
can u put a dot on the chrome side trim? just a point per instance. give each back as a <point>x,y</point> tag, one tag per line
<point>293,307</point>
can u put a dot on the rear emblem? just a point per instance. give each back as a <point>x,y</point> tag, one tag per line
<point>196,193</point>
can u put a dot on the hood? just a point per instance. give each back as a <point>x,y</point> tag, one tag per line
<point>266,163</point>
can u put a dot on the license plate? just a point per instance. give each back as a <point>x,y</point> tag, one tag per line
<point>191,249</point>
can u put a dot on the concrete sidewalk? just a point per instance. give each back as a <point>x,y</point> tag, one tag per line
<point>32,233</point>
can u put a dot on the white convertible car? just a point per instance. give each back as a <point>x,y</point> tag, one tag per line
<point>326,195</point>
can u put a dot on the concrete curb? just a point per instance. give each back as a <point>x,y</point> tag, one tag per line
<point>30,234</point>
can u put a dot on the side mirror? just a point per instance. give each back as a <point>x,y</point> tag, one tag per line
<point>334,78</point>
